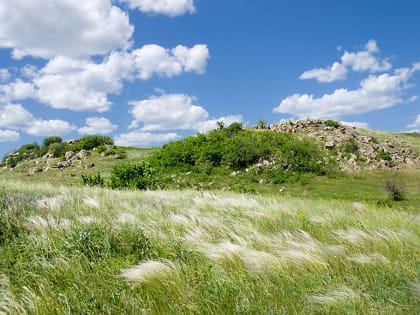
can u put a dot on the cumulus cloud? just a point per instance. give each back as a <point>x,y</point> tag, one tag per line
<point>83,85</point>
<point>210,124</point>
<point>41,127</point>
<point>360,61</point>
<point>14,116</point>
<point>4,75</point>
<point>365,60</point>
<point>358,124</point>
<point>97,125</point>
<point>46,29</point>
<point>138,138</point>
<point>9,136</point>
<point>334,73</point>
<point>415,124</point>
<point>17,90</point>
<point>167,112</point>
<point>166,7</point>
<point>155,60</point>
<point>376,92</point>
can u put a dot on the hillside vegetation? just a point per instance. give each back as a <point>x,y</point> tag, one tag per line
<point>98,251</point>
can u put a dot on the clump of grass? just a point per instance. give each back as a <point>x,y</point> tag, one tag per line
<point>147,271</point>
<point>395,189</point>
<point>332,123</point>
<point>384,155</point>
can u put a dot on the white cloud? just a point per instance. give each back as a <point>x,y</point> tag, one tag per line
<point>139,138</point>
<point>49,127</point>
<point>154,59</point>
<point>14,116</point>
<point>82,85</point>
<point>358,61</point>
<point>166,7</point>
<point>167,112</point>
<point>46,28</point>
<point>17,90</point>
<point>334,73</point>
<point>415,124</point>
<point>4,75</point>
<point>97,125</point>
<point>365,61</point>
<point>357,124</point>
<point>8,136</point>
<point>375,92</point>
<point>210,124</point>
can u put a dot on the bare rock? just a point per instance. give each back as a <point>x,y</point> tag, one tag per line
<point>83,154</point>
<point>329,145</point>
<point>69,155</point>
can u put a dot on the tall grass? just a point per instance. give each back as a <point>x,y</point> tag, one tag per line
<point>96,251</point>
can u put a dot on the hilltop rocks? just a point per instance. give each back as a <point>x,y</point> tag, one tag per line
<point>353,150</point>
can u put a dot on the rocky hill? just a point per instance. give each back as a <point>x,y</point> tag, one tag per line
<point>355,149</point>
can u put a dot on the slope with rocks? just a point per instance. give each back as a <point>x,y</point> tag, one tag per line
<point>356,149</point>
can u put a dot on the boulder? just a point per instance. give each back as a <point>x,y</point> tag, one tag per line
<point>83,154</point>
<point>329,145</point>
<point>69,155</point>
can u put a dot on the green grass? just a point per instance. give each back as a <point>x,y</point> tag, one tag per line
<point>72,175</point>
<point>70,250</point>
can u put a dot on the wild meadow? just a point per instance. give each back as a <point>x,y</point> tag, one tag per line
<point>90,250</point>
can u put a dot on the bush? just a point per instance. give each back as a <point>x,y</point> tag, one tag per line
<point>93,180</point>
<point>93,141</point>
<point>236,148</point>
<point>50,140</point>
<point>134,175</point>
<point>58,149</point>
<point>395,189</point>
<point>384,155</point>
<point>332,123</point>
<point>350,146</point>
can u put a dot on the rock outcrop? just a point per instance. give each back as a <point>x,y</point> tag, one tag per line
<point>352,149</point>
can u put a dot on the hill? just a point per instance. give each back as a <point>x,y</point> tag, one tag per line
<point>264,159</point>
<point>356,148</point>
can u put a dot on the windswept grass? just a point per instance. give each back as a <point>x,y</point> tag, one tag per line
<point>68,250</point>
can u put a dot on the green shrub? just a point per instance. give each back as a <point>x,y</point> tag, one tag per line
<point>58,149</point>
<point>134,175</point>
<point>100,149</point>
<point>350,146</point>
<point>262,123</point>
<point>236,148</point>
<point>332,123</point>
<point>374,140</point>
<point>93,180</point>
<point>384,155</point>
<point>395,189</point>
<point>92,141</point>
<point>50,140</point>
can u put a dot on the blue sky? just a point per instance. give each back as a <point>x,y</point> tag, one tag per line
<point>146,72</point>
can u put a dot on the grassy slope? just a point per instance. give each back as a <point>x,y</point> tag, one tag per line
<point>71,175</point>
<point>67,250</point>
